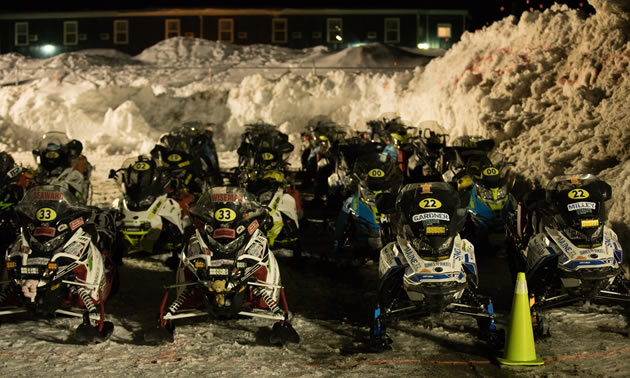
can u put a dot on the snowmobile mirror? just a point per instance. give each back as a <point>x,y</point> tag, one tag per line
<point>386,203</point>
<point>606,191</point>
<point>112,174</point>
<point>75,147</point>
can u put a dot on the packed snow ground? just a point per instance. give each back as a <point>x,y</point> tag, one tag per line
<point>551,87</point>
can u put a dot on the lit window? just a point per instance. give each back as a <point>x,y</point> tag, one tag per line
<point>21,33</point>
<point>444,30</point>
<point>226,29</point>
<point>392,30</point>
<point>121,32</point>
<point>172,28</point>
<point>334,30</point>
<point>279,30</point>
<point>70,33</point>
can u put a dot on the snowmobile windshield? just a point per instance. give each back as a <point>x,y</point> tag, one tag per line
<point>229,215</point>
<point>429,216</point>
<point>52,150</point>
<point>265,184</point>
<point>579,204</point>
<point>377,173</point>
<point>141,182</point>
<point>48,215</point>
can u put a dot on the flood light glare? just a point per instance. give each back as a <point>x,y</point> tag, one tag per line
<point>48,49</point>
<point>423,45</point>
<point>338,37</point>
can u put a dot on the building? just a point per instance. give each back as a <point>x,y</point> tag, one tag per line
<point>41,34</point>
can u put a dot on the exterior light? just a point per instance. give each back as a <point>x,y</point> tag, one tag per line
<point>338,37</point>
<point>48,49</point>
<point>423,45</point>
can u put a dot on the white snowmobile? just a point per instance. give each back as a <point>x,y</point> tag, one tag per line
<point>227,268</point>
<point>558,237</point>
<point>152,220</point>
<point>429,268</point>
<point>60,163</point>
<point>61,261</point>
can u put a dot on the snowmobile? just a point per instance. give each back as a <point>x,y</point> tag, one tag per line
<point>227,268</point>
<point>60,162</point>
<point>428,160</point>
<point>429,268</point>
<point>361,230</point>
<point>152,219</point>
<point>395,134</point>
<point>558,237</point>
<point>321,155</point>
<point>263,146</point>
<point>189,157</point>
<point>61,262</point>
<point>271,188</point>
<point>14,181</point>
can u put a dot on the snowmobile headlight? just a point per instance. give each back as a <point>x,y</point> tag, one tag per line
<point>266,197</point>
<point>11,265</point>
<point>502,192</point>
<point>484,193</point>
<point>49,245</point>
<point>146,202</point>
<point>52,265</point>
<point>230,247</point>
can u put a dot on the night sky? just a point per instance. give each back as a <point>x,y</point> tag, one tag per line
<point>482,12</point>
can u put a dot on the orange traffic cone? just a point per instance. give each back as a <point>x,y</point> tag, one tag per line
<point>519,346</point>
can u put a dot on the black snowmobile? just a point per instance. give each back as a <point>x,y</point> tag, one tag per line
<point>559,238</point>
<point>430,268</point>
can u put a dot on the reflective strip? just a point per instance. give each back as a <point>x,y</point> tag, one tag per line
<point>521,287</point>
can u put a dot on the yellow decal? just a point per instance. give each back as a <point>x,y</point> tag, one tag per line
<point>590,223</point>
<point>174,157</point>
<point>376,173</point>
<point>436,230</point>
<point>430,203</point>
<point>141,166</point>
<point>52,154</point>
<point>490,171</point>
<point>578,194</point>
<point>225,214</point>
<point>267,156</point>
<point>46,214</point>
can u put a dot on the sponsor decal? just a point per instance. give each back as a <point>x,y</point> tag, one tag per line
<point>141,166</point>
<point>589,223</point>
<point>252,226</point>
<point>52,155</point>
<point>376,173</point>
<point>53,196</point>
<point>426,188</point>
<point>581,205</point>
<point>240,229</point>
<point>44,231</point>
<point>578,194</point>
<point>225,214</point>
<point>45,214</point>
<point>490,171</point>
<point>221,233</point>
<point>267,156</point>
<point>14,172</point>
<point>226,197</point>
<point>430,216</point>
<point>430,203</point>
<point>76,223</point>
<point>174,157</point>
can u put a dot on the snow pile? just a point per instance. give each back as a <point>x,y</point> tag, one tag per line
<point>551,86</point>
